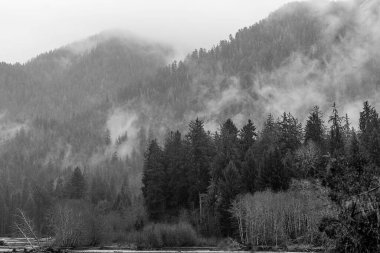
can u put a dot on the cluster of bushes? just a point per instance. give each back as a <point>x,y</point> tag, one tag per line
<point>77,223</point>
<point>158,235</point>
<point>74,223</point>
<point>282,218</point>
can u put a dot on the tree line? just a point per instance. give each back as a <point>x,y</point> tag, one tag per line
<point>232,161</point>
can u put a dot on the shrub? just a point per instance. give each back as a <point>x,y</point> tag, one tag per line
<point>135,217</point>
<point>74,223</point>
<point>164,235</point>
<point>268,218</point>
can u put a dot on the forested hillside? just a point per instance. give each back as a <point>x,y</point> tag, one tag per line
<point>80,125</point>
<point>55,110</point>
<point>77,77</point>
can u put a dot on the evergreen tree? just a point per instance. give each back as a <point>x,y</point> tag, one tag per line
<point>347,132</point>
<point>200,152</point>
<point>175,163</point>
<point>314,129</point>
<point>227,149</point>
<point>153,180</point>
<point>229,186</point>
<point>336,133</point>
<point>355,157</point>
<point>269,137</point>
<point>123,199</point>
<point>250,172</point>
<point>273,173</point>
<point>370,132</point>
<point>247,137</point>
<point>76,187</point>
<point>290,133</point>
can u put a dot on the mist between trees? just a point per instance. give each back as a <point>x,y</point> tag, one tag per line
<point>288,184</point>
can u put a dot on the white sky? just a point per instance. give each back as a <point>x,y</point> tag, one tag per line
<point>31,27</point>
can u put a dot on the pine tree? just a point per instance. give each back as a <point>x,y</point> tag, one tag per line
<point>368,122</point>
<point>314,129</point>
<point>370,132</point>
<point>154,181</point>
<point>355,157</point>
<point>273,173</point>
<point>247,137</point>
<point>347,132</point>
<point>227,149</point>
<point>76,187</point>
<point>336,133</point>
<point>290,133</point>
<point>250,172</point>
<point>123,199</point>
<point>200,152</point>
<point>269,137</point>
<point>229,186</point>
<point>174,153</point>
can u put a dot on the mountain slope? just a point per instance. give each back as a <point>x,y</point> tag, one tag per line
<point>77,77</point>
<point>301,55</point>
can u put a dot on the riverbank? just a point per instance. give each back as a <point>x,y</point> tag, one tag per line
<point>8,244</point>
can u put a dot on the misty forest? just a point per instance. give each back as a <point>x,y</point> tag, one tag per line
<point>267,140</point>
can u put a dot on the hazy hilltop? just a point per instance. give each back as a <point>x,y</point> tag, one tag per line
<point>301,55</point>
<point>77,77</point>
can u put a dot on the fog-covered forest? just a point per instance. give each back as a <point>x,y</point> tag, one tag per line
<point>271,137</point>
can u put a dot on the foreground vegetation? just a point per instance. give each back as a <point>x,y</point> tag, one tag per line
<point>284,218</point>
<point>160,235</point>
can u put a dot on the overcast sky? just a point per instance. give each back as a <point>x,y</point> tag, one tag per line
<point>31,27</point>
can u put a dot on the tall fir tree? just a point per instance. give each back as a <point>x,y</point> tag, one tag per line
<point>227,149</point>
<point>355,156</point>
<point>314,129</point>
<point>76,187</point>
<point>200,153</point>
<point>369,125</point>
<point>123,198</point>
<point>273,173</point>
<point>154,181</point>
<point>290,133</point>
<point>269,137</point>
<point>229,186</point>
<point>336,133</point>
<point>247,136</point>
<point>250,172</point>
<point>175,163</point>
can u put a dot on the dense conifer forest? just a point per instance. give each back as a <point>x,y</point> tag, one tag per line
<point>233,162</point>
